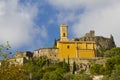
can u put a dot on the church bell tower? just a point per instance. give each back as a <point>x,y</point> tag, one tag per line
<point>63,32</point>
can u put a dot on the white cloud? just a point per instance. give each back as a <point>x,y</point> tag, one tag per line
<point>77,4</point>
<point>103,16</point>
<point>17,23</point>
<point>65,17</point>
<point>68,4</point>
<point>104,21</point>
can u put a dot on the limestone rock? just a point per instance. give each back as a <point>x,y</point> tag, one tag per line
<point>103,43</point>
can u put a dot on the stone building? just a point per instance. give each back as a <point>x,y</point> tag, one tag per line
<point>50,53</point>
<point>17,61</point>
<point>85,47</point>
<point>26,54</point>
<point>74,49</point>
<point>20,58</point>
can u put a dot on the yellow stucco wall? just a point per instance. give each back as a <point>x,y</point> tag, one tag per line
<point>73,49</point>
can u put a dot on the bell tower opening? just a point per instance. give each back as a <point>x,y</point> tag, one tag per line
<point>63,32</point>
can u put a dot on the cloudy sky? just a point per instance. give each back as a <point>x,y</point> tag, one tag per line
<point>33,24</point>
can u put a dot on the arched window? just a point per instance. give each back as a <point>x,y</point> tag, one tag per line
<point>63,34</point>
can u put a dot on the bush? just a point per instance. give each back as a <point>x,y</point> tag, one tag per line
<point>96,69</point>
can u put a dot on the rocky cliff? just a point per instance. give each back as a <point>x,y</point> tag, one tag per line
<point>103,43</point>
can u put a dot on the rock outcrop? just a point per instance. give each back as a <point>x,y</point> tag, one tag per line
<point>103,43</point>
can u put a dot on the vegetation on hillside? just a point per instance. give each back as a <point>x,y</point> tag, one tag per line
<point>46,69</point>
<point>111,68</point>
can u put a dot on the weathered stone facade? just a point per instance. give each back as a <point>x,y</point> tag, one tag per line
<point>20,58</point>
<point>17,61</point>
<point>84,64</point>
<point>26,54</point>
<point>50,53</point>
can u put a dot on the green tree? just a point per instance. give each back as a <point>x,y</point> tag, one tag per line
<point>110,64</point>
<point>41,62</point>
<point>82,77</point>
<point>74,67</point>
<point>68,67</point>
<point>65,66</point>
<point>4,51</point>
<point>34,67</point>
<point>115,75</point>
<point>106,77</point>
<point>96,69</point>
<point>10,71</point>
<point>55,43</point>
<point>51,72</point>
<point>112,52</point>
<point>56,73</point>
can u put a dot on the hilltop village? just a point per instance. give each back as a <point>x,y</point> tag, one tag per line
<point>82,55</point>
<point>80,49</point>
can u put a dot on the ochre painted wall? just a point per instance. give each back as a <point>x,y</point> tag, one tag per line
<point>76,49</point>
<point>86,54</point>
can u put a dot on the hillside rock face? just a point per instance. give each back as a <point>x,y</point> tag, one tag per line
<point>103,43</point>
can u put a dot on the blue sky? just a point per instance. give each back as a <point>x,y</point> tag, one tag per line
<point>34,24</point>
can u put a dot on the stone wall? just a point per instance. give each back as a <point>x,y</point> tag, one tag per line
<point>50,53</point>
<point>84,64</point>
<point>90,34</point>
<point>26,54</point>
<point>17,61</point>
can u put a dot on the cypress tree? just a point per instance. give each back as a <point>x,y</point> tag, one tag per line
<point>74,67</point>
<point>68,64</point>
<point>55,43</point>
<point>64,65</point>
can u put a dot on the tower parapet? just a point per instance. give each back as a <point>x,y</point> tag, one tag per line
<point>92,33</point>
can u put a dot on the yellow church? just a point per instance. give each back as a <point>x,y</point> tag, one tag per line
<point>74,49</point>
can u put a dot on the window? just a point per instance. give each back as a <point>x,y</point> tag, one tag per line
<point>63,34</point>
<point>68,46</point>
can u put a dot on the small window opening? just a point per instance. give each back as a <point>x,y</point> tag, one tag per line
<point>63,34</point>
<point>68,46</point>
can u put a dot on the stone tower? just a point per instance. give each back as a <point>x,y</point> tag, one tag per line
<point>63,32</point>
<point>92,33</point>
